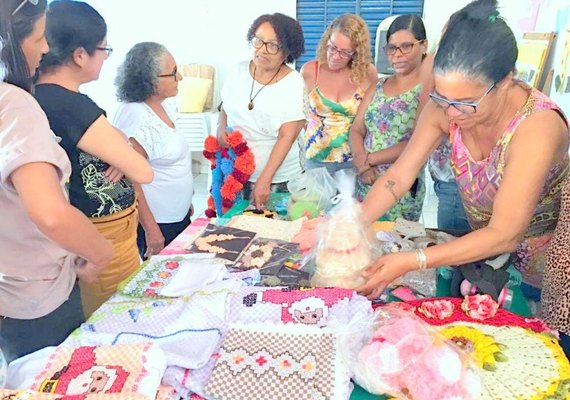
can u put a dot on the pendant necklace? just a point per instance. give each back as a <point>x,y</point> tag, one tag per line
<point>251,98</point>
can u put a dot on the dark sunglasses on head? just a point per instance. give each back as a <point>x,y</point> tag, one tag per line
<point>23,3</point>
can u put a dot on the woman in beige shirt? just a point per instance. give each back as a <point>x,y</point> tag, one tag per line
<point>40,232</point>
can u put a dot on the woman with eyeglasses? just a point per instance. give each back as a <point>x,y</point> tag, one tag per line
<point>145,80</point>
<point>387,116</point>
<point>263,99</point>
<point>509,154</point>
<point>102,162</point>
<point>45,243</point>
<point>336,81</point>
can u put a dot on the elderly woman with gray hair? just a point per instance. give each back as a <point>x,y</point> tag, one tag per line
<point>146,79</point>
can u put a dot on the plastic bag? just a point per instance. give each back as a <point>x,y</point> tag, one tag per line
<point>311,193</point>
<point>344,241</point>
<point>398,354</point>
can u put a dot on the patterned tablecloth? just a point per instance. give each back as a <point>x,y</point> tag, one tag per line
<point>484,335</point>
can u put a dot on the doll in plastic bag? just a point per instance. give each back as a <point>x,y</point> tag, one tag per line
<point>400,355</point>
<point>344,241</point>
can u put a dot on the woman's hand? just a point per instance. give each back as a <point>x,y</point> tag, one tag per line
<point>369,176</point>
<point>384,271</point>
<point>154,241</point>
<point>261,192</point>
<point>358,162</point>
<point>223,138</point>
<point>88,272</point>
<point>113,174</point>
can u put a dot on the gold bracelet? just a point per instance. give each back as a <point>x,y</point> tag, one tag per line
<point>421,259</point>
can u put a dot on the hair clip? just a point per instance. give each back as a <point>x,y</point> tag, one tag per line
<point>493,16</point>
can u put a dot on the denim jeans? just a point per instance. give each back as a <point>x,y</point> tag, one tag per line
<point>19,337</point>
<point>332,167</point>
<point>450,212</point>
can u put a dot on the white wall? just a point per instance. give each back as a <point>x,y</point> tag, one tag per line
<point>195,31</point>
<point>213,31</point>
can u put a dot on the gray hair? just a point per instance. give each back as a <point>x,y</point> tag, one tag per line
<point>137,76</point>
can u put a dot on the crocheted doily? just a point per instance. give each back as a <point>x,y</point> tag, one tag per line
<point>516,363</point>
<point>520,358</point>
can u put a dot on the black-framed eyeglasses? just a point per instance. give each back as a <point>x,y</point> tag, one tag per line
<point>405,48</point>
<point>23,3</point>
<point>108,50</point>
<point>174,74</point>
<point>271,47</point>
<point>346,54</point>
<point>462,106</point>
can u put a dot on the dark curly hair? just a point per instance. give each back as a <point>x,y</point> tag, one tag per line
<point>13,29</point>
<point>71,25</point>
<point>137,76</point>
<point>288,31</point>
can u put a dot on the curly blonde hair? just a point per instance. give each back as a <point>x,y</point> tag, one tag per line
<point>353,27</point>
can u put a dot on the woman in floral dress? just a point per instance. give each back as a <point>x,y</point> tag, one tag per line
<point>387,116</point>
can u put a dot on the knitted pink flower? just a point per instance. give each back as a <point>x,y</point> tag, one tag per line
<point>437,309</point>
<point>480,306</point>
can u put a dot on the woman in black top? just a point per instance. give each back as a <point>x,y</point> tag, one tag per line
<point>98,152</point>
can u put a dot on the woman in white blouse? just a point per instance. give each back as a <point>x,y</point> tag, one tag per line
<point>263,99</point>
<point>148,77</point>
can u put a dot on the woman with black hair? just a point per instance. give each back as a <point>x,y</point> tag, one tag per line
<point>77,36</point>
<point>40,231</point>
<point>263,98</point>
<point>386,116</point>
<point>509,154</point>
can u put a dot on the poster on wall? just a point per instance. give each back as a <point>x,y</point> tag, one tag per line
<point>532,54</point>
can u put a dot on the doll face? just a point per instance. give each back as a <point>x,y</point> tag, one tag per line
<point>309,317</point>
<point>95,380</point>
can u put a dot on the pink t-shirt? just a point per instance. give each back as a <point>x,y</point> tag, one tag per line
<point>36,275</point>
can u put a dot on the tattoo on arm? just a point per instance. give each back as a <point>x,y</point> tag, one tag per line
<point>390,186</point>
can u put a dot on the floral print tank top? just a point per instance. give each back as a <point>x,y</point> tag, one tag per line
<point>479,181</point>
<point>328,127</point>
<point>390,120</point>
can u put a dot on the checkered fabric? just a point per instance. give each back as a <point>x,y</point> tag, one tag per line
<point>275,363</point>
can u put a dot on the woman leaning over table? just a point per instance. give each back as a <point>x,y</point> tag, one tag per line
<point>146,79</point>
<point>509,153</point>
<point>387,116</point>
<point>77,36</point>
<point>45,242</point>
<point>337,81</point>
<point>263,99</point>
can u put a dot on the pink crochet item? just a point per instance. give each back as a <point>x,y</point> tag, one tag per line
<point>407,360</point>
<point>501,318</point>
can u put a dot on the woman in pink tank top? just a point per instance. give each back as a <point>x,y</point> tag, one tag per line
<point>509,153</point>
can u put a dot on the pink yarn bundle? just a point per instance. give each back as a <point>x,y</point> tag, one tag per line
<point>406,360</point>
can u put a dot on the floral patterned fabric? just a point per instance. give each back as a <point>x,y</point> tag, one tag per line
<point>479,181</point>
<point>390,120</point>
<point>328,126</point>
